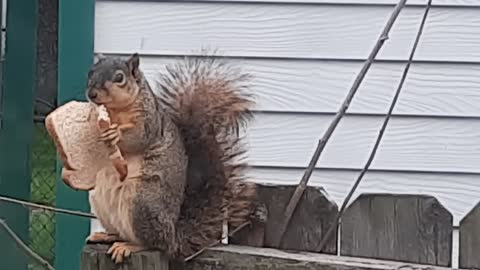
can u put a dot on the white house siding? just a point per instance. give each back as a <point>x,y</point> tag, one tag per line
<point>304,56</point>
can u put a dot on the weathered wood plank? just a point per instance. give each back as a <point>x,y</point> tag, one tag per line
<point>313,216</point>
<point>457,192</point>
<point>95,257</point>
<point>89,259</point>
<point>253,235</point>
<point>410,228</point>
<point>242,258</point>
<point>469,237</point>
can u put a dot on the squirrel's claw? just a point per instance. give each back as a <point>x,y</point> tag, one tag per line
<point>111,136</point>
<point>114,141</point>
<point>122,250</point>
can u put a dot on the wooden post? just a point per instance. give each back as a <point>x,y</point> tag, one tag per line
<point>75,57</point>
<point>409,228</point>
<point>16,134</point>
<point>469,235</point>
<point>231,257</point>
<point>95,257</point>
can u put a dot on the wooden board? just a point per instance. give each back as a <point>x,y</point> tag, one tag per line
<point>94,257</point>
<point>296,31</point>
<point>320,86</point>
<point>313,216</point>
<point>241,258</point>
<point>409,228</point>
<point>411,144</point>
<point>469,236</point>
<point>254,234</point>
<point>458,193</point>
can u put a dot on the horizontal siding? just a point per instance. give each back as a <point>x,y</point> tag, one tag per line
<point>298,31</point>
<point>321,86</point>
<point>458,200</point>
<point>419,144</point>
<point>452,3</point>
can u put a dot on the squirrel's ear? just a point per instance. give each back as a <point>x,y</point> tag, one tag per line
<point>97,57</point>
<point>133,64</point>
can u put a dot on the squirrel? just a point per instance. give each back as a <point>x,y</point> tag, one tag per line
<point>186,175</point>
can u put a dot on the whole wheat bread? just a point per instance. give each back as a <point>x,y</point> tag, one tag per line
<point>75,130</point>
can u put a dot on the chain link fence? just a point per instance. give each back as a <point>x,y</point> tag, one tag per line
<point>43,185</point>
<point>43,190</point>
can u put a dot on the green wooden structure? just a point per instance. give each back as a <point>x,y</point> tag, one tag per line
<point>75,56</point>
<point>18,72</point>
<point>16,134</point>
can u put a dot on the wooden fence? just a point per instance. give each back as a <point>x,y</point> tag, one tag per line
<point>399,230</point>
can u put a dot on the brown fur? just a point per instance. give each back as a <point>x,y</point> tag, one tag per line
<point>184,153</point>
<point>207,100</point>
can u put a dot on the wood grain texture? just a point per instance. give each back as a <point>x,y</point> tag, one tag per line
<point>241,258</point>
<point>423,144</point>
<point>458,193</point>
<point>254,234</point>
<point>409,228</point>
<point>321,86</point>
<point>265,30</point>
<point>469,236</point>
<point>94,257</point>
<point>314,214</point>
<point>89,259</point>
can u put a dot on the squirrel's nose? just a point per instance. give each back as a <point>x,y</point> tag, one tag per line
<point>92,94</point>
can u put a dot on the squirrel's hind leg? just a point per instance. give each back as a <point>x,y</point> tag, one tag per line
<point>121,250</point>
<point>103,238</point>
<point>154,218</point>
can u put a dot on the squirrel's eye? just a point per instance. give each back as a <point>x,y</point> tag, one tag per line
<point>118,78</point>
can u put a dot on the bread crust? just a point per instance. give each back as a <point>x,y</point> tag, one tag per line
<point>74,129</point>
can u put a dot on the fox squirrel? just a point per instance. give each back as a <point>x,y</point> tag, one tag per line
<point>185,175</point>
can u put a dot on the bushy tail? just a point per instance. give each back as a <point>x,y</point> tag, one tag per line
<point>208,101</point>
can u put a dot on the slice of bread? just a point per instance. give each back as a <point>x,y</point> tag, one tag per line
<point>74,129</point>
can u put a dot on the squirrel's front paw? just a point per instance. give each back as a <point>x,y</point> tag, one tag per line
<point>121,250</point>
<point>112,135</point>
